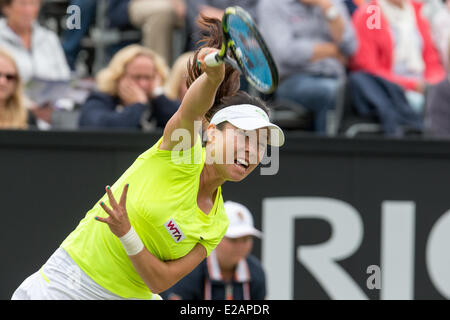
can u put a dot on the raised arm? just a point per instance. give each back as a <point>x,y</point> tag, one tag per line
<point>198,100</point>
<point>156,274</point>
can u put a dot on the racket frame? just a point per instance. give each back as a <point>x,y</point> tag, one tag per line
<point>235,61</point>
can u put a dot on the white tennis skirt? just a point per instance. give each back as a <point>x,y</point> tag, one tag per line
<point>62,279</point>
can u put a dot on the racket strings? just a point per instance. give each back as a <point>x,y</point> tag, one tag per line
<point>248,51</point>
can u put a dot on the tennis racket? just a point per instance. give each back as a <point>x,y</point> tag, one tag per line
<point>250,55</point>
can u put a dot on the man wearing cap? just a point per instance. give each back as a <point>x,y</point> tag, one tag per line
<point>230,272</point>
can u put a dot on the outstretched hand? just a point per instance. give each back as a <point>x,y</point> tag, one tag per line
<point>117,219</point>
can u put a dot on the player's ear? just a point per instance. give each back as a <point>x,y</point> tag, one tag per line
<point>211,132</point>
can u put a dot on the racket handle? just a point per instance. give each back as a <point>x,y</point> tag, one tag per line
<point>213,59</point>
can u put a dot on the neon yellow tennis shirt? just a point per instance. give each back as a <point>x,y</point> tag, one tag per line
<point>162,207</point>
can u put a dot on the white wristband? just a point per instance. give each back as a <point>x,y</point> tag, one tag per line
<point>131,242</point>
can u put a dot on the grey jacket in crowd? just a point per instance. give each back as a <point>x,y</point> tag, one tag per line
<point>437,110</point>
<point>291,29</point>
<point>45,60</point>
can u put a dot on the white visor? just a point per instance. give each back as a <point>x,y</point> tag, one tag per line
<point>249,117</point>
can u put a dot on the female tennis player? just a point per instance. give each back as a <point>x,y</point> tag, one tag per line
<point>165,214</point>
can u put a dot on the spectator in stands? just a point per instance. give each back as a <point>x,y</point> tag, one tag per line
<point>131,93</point>
<point>176,83</point>
<point>37,51</point>
<point>430,8</point>
<point>437,116</point>
<point>211,8</point>
<point>13,114</point>
<point>441,33</point>
<point>71,39</point>
<point>230,272</point>
<point>396,59</point>
<point>352,5</point>
<point>117,13</point>
<point>157,19</point>
<point>115,17</point>
<point>311,41</point>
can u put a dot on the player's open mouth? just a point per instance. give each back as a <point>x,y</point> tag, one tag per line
<point>241,163</point>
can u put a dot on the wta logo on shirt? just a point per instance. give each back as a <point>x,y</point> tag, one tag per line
<point>174,230</point>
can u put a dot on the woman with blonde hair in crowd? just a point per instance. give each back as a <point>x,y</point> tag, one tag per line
<point>13,114</point>
<point>130,92</point>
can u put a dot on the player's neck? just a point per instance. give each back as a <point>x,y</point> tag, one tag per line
<point>210,180</point>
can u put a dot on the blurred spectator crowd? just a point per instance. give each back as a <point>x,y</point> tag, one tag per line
<point>347,67</point>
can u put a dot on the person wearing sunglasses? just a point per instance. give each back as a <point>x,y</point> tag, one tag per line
<point>13,114</point>
<point>37,51</point>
